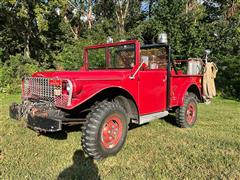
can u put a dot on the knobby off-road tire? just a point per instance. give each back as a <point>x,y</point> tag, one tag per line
<point>105,130</point>
<point>186,115</point>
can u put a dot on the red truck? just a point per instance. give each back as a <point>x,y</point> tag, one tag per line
<point>120,83</point>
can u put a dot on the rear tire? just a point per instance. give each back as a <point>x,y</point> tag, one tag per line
<point>105,130</point>
<point>186,115</point>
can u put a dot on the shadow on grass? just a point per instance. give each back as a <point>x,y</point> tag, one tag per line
<point>82,168</point>
<point>171,119</point>
<point>62,135</point>
<point>134,126</point>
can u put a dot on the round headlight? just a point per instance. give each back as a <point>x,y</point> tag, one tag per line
<point>68,88</point>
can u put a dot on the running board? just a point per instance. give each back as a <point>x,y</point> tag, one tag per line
<point>149,117</point>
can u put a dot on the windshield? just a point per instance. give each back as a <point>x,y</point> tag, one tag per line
<point>113,57</point>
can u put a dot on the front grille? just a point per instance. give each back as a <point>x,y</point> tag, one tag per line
<point>46,89</point>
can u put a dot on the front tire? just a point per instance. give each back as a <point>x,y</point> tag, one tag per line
<point>105,130</point>
<point>186,115</point>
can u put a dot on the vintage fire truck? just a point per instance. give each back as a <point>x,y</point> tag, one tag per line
<point>120,83</point>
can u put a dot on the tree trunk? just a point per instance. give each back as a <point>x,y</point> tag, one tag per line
<point>121,13</point>
<point>191,5</point>
<point>89,14</point>
<point>150,8</point>
<point>26,48</point>
<point>232,9</point>
<point>75,30</point>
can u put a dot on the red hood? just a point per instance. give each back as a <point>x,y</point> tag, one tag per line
<point>85,75</point>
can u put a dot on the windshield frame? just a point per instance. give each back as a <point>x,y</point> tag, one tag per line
<point>136,43</point>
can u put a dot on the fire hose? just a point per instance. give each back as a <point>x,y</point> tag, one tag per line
<point>210,72</point>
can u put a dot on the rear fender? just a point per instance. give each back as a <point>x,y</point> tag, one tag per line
<point>188,88</point>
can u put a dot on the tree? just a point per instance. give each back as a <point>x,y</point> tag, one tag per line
<point>122,10</point>
<point>50,34</point>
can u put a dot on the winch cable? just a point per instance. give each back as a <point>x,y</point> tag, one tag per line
<point>209,74</point>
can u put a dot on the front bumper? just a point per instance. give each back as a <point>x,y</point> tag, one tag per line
<point>43,124</point>
<point>41,118</point>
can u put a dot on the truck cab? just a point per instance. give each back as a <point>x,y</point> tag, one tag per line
<point>120,83</point>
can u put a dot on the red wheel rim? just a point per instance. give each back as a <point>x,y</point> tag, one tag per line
<point>191,113</point>
<point>111,131</point>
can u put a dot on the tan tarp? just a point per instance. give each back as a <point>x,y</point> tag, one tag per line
<point>209,89</point>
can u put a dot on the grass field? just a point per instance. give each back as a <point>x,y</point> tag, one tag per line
<point>157,150</point>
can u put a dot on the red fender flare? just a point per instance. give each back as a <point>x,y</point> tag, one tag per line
<point>184,90</point>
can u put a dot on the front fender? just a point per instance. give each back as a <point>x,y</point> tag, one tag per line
<point>88,92</point>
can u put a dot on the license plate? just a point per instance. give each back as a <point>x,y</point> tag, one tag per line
<point>57,92</point>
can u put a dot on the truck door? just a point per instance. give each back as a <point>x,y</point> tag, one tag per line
<point>152,81</point>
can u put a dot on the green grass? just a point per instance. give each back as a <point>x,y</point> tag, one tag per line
<point>157,150</point>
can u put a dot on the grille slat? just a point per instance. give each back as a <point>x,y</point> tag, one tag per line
<point>40,89</point>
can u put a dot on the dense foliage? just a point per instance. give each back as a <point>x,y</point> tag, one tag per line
<point>42,34</point>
